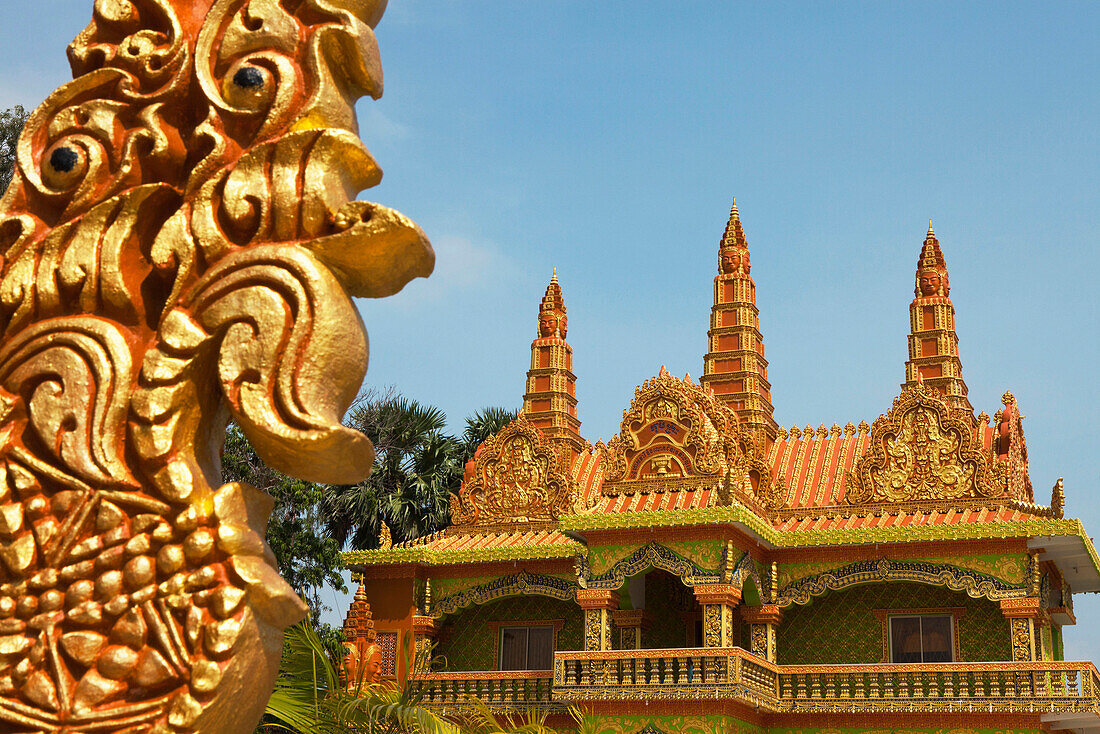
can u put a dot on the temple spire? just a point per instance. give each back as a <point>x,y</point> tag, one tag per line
<point>735,368</point>
<point>551,399</point>
<point>933,344</point>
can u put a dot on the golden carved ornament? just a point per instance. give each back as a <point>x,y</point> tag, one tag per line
<point>517,477</point>
<point>676,435</point>
<point>921,450</point>
<point>179,246</point>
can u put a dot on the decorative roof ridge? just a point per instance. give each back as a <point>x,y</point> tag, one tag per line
<point>884,509</point>
<point>835,431</point>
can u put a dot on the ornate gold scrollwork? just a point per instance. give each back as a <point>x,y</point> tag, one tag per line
<point>517,477</point>
<point>676,436</point>
<point>179,246</point>
<point>921,450</point>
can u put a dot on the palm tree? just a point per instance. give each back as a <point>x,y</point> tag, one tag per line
<point>482,424</point>
<point>308,697</point>
<point>416,470</point>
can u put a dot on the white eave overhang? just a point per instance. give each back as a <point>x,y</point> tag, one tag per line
<point>1071,554</point>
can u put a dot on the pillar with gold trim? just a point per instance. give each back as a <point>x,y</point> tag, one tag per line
<point>1024,619</point>
<point>763,622</point>
<point>718,602</point>
<point>631,623</point>
<point>598,604</point>
<point>424,631</point>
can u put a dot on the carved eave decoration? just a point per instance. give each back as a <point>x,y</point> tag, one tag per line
<point>1012,468</point>
<point>922,450</point>
<point>677,437</point>
<point>518,477</point>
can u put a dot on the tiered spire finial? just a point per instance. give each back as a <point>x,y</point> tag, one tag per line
<point>551,400</point>
<point>933,344</point>
<point>735,368</point>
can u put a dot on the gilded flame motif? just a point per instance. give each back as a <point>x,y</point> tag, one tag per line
<point>516,477</point>
<point>675,435</point>
<point>179,245</point>
<point>921,450</point>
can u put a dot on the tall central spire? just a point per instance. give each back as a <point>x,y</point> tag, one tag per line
<point>551,399</point>
<point>735,367</point>
<point>933,343</point>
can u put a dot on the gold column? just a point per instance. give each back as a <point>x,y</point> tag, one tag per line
<point>630,623</point>
<point>597,605</point>
<point>424,630</point>
<point>763,621</point>
<point>718,602</point>
<point>1024,617</point>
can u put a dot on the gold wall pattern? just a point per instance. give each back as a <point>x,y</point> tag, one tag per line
<point>921,450</point>
<point>179,246</point>
<point>518,477</point>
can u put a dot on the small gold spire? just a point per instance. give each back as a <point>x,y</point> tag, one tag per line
<point>930,232</point>
<point>554,277</point>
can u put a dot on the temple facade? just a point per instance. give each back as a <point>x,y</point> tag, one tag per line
<point>708,571</point>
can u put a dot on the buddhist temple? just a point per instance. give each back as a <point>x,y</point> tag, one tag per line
<point>708,570</point>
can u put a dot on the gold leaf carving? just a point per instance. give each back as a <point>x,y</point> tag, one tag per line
<point>675,436</point>
<point>517,477</point>
<point>921,450</point>
<point>180,244</point>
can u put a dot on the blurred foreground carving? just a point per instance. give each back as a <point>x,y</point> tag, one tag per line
<point>180,244</point>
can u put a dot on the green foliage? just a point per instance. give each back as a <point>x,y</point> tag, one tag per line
<point>11,125</point>
<point>417,468</point>
<point>309,699</point>
<point>307,560</point>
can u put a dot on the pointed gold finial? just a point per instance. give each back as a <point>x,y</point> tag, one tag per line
<point>554,277</point>
<point>733,210</point>
<point>930,232</point>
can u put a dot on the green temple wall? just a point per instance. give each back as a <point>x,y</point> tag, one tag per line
<point>856,633</point>
<point>470,641</point>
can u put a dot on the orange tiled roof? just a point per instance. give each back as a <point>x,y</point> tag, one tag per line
<point>815,465</point>
<point>480,540</point>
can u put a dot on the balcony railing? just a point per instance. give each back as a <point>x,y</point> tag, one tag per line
<point>733,673</point>
<point>500,690</point>
<point>721,672</point>
<point>737,675</point>
<point>970,687</point>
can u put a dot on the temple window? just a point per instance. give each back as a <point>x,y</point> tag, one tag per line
<point>921,639</point>
<point>527,648</point>
<point>387,642</point>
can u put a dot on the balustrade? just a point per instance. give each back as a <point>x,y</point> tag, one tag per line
<point>497,689</point>
<point>736,674</point>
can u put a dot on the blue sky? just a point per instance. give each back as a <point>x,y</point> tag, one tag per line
<point>607,139</point>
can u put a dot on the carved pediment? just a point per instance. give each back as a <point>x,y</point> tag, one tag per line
<point>517,476</point>
<point>921,450</point>
<point>676,436</point>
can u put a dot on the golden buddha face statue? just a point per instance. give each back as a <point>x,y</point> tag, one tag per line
<point>730,261</point>
<point>372,666</point>
<point>562,326</point>
<point>929,283</point>
<point>548,323</point>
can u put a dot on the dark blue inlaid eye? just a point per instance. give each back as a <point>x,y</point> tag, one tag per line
<point>63,160</point>
<point>248,77</point>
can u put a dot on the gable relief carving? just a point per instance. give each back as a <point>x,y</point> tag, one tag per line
<point>675,437</point>
<point>516,476</point>
<point>921,450</point>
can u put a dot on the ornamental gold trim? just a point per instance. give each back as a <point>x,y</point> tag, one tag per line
<point>922,450</point>
<point>518,477</point>
<point>180,247</point>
